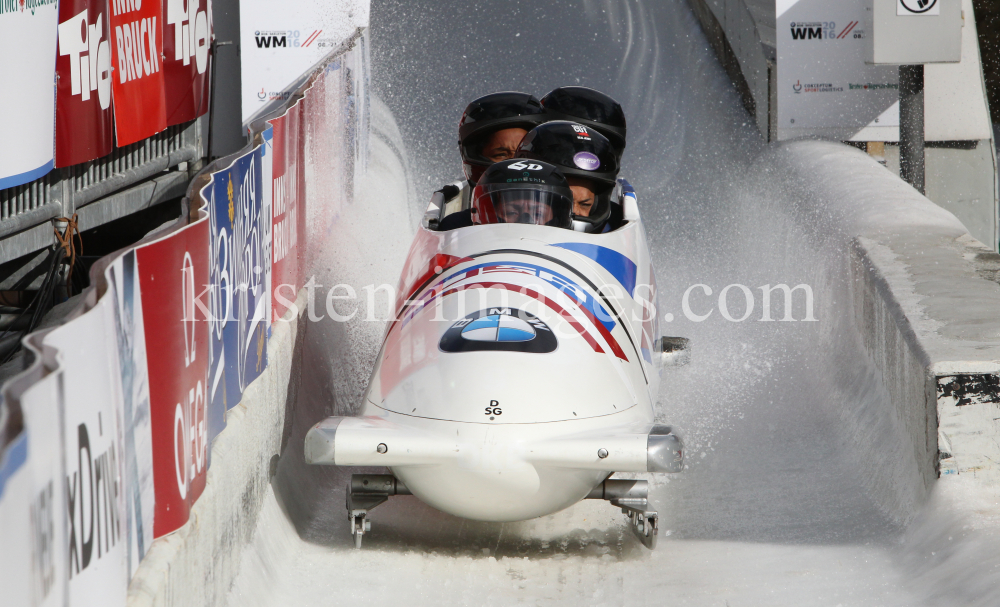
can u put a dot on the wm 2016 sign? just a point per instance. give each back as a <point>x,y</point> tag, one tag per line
<point>825,87</point>
<point>240,266</point>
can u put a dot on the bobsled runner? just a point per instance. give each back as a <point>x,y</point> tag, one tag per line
<point>519,373</point>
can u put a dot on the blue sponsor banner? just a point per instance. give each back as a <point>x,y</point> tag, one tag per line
<point>240,259</point>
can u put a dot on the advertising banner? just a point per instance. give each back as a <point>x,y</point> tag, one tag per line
<point>187,38</point>
<point>138,86</point>
<point>84,127</point>
<point>241,251</point>
<point>130,336</point>
<point>266,221</point>
<point>16,489</point>
<point>825,88</point>
<point>28,47</point>
<point>287,215</point>
<point>46,516</point>
<point>173,273</point>
<point>281,40</point>
<point>96,516</point>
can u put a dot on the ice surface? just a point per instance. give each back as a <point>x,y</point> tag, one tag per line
<point>800,489</point>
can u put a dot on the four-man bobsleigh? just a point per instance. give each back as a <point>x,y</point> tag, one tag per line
<point>521,368</point>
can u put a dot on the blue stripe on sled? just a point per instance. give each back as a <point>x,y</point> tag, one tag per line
<point>622,268</point>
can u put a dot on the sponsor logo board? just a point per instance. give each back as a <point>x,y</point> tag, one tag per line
<point>28,34</point>
<point>173,274</point>
<point>825,86</point>
<point>138,83</point>
<point>84,127</point>
<point>187,39</point>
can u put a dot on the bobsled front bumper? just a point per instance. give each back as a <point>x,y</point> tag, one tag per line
<point>375,441</point>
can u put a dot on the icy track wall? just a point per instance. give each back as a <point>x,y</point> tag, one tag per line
<point>925,301</point>
<point>136,449</point>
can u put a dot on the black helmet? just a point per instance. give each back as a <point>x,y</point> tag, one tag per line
<point>489,114</point>
<point>523,191</point>
<point>580,152</point>
<point>590,108</point>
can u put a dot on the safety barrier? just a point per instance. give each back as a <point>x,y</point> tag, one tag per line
<point>926,309</point>
<point>107,439</point>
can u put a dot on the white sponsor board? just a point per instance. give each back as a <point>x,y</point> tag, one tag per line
<point>96,517</point>
<point>28,32</point>
<point>32,492</point>
<point>130,334</point>
<point>282,39</point>
<point>825,88</point>
<point>41,407</point>
<point>16,489</point>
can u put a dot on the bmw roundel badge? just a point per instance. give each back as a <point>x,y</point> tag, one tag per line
<point>506,329</point>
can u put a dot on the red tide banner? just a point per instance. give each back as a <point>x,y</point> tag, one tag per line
<point>173,273</point>
<point>187,37</point>
<point>138,77</point>
<point>84,127</point>
<point>287,212</point>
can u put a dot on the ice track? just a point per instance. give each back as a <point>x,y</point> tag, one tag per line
<point>784,422</point>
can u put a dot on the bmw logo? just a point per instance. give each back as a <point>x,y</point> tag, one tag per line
<point>507,329</point>
<point>498,327</point>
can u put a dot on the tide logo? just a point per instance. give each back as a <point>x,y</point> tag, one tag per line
<point>89,57</point>
<point>191,36</point>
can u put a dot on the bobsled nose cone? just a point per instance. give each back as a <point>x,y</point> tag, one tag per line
<point>320,443</point>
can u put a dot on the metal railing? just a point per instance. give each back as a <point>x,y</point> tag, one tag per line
<point>63,191</point>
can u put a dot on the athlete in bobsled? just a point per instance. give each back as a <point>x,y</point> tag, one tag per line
<point>522,365</point>
<point>491,129</point>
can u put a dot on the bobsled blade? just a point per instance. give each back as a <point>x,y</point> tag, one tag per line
<point>645,525</point>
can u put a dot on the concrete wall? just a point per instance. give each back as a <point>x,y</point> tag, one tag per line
<point>926,303</point>
<point>743,39</point>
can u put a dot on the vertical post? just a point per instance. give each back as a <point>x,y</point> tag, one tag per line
<point>911,125</point>
<point>226,133</point>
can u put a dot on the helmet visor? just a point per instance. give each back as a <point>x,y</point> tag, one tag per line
<point>538,206</point>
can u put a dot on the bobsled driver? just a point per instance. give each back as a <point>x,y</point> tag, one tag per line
<point>516,191</point>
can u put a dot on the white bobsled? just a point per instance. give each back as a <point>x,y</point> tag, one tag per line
<point>519,373</point>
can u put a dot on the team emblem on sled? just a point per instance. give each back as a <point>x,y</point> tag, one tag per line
<point>505,329</point>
